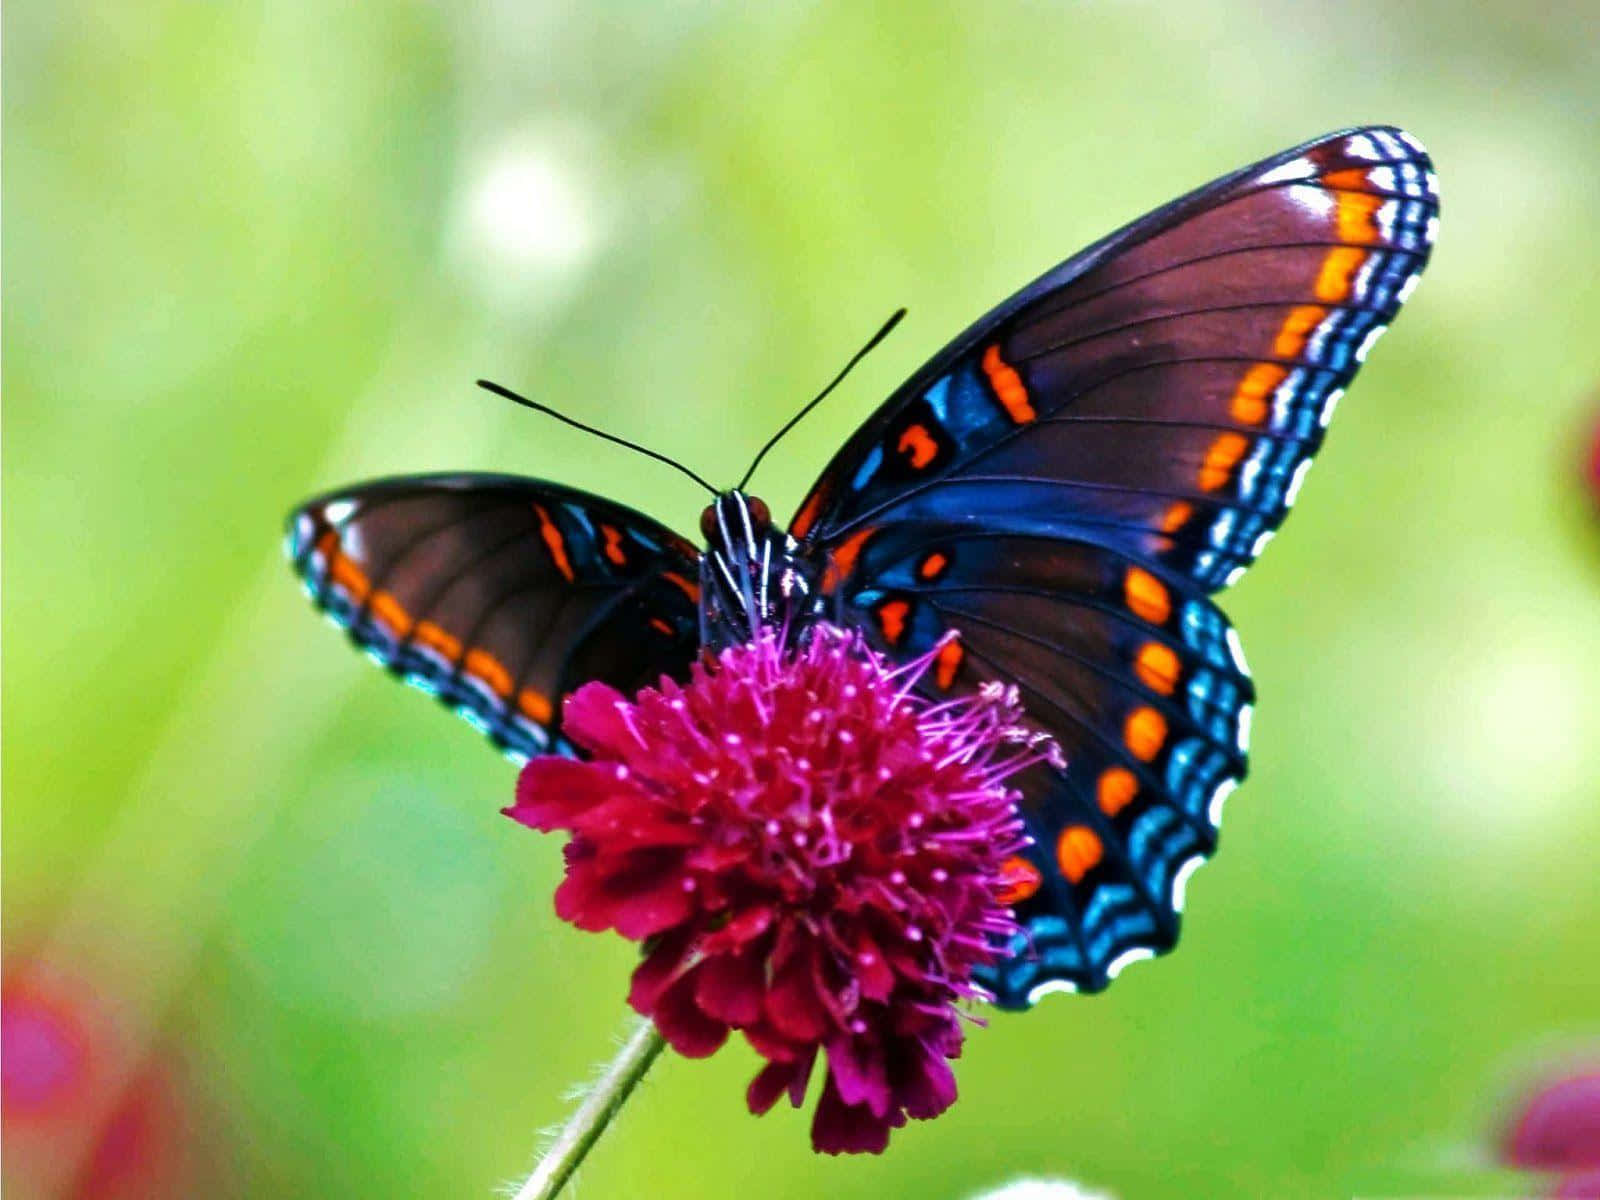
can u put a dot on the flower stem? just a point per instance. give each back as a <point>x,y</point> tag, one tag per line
<point>602,1102</point>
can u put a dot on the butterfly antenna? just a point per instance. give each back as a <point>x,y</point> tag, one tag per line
<point>600,433</point>
<point>888,327</point>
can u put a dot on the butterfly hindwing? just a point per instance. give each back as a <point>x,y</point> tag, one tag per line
<point>500,594</point>
<point>1137,677</point>
<point>1066,481</point>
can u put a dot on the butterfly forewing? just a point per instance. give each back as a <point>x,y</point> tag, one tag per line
<point>1064,483</point>
<point>500,594</point>
<point>1164,388</point>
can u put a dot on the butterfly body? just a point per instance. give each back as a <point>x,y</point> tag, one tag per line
<point>752,575</point>
<point>1061,488</point>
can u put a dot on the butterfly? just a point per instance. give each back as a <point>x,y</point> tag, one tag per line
<point>1061,489</point>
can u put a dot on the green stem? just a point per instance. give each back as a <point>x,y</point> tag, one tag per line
<point>603,1101</point>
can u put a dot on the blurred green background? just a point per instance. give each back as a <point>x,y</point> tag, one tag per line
<point>254,250</point>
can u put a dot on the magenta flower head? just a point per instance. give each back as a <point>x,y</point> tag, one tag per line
<point>811,855</point>
<point>1556,1128</point>
<point>1591,471</point>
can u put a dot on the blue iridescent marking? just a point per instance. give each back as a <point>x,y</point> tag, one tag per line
<point>869,468</point>
<point>578,515</point>
<point>421,682</point>
<point>1049,925</point>
<point>1159,838</point>
<point>472,717</point>
<point>1118,914</point>
<point>1179,761</point>
<point>1193,767</point>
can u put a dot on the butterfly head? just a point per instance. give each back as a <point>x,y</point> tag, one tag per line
<point>750,576</point>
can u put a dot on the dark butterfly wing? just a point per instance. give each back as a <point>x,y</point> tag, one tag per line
<point>499,595</point>
<point>1139,679</point>
<point>1163,388</point>
<point>1083,465</point>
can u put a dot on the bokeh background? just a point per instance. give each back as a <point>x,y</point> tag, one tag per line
<point>265,931</point>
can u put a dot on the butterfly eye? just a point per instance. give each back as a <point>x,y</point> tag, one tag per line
<point>708,523</point>
<point>760,513</point>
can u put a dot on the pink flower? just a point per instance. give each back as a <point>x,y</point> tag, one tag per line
<point>143,1135</point>
<point>811,855</point>
<point>1591,473</point>
<point>1557,1128</point>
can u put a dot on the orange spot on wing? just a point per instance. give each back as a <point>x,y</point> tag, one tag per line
<point>842,560</point>
<point>687,587</point>
<point>1353,178</point>
<point>390,611</point>
<point>933,566</point>
<point>1008,387</point>
<point>1145,732</point>
<point>1157,667</point>
<point>807,516</point>
<point>1221,458</point>
<point>1019,879</point>
<point>430,635</point>
<point>948,663</point>
<point>1338,270</point>
<point>534,705</point>
<point>1177,513</point>
<point>1147,596</point>
<point>1115,790</point>
<point>657,623</point>
<point>1078,851</point>
<point>340,569</point>
<point>892,619</point>
<point>489,669</point>
<point>1250,398</point>
<point>613,547</point>
<point>350,577</point>
<point>555,542</point>
<point>1356,211</point>
<point>919,442</point>
<point>1301,321</point>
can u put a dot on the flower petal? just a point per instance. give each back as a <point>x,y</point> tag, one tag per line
<point>688,1030</point>
<point>840,1128</point>
<point>670,956</point>
<point>596,716</point>
<point>636,894</point>
<point>924,1084</point>
<point>774,1079</point>
<point>630,819</point>
<point>651,899</point>
<point>792,1003</point>
<point>774,1047</point>
<point>552,791</point>
<point>860,1072</point>
<point>872,970</point>
<point>744,926</point>
<point>729,986</point>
